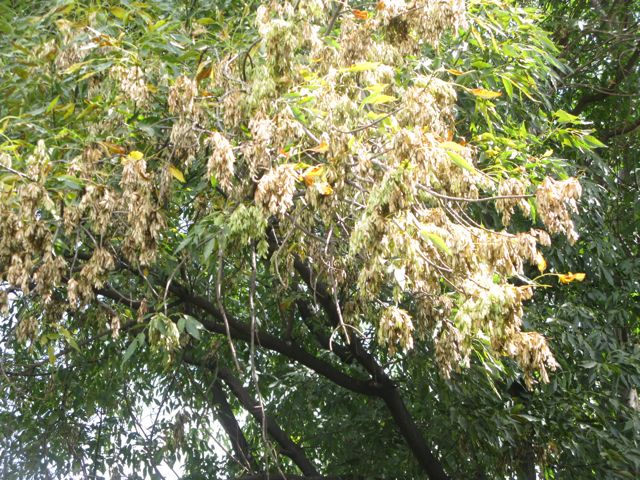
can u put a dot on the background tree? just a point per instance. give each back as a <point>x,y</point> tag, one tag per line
<point>312,226</point>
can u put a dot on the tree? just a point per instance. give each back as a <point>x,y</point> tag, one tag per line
<point>310,225</point>
<point>595,329</point>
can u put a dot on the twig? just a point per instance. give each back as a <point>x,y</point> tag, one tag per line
<point>334,18</point>
<point>246,56</point>
<point>221,305</point>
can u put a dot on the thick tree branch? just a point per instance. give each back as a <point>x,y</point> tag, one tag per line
<point>412,435</point>
<point>620,130</point>
<point>382,384</point>
<point>388,392</point>
<point>602,94</point>
<point>323,340</point>
<point>321,294</point>
<point>232,428</point>
<point>279,476</point>
<point>114,294</point>
<point>288,446</point>
<point>241,331</point>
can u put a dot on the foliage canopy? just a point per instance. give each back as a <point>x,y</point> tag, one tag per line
<point>312,226</point>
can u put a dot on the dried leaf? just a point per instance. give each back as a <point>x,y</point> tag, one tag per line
<point>112,148</point>
<point>204,71</point>
<point>360,14</point>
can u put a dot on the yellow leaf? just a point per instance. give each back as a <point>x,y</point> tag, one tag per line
<point>113,148</point>
<point>455,72</point>
<point>377,88</point>
<point>301,166</point>
<point>570,277</point>
<point>486,94</point>
<point>283,153</point>
<point>324,188</point>
<point>135,155</point>
<point>177,174</point>
<point>312,174</point>
<point>315,177</point>
<point>541,262</point>
<point>322,148</point>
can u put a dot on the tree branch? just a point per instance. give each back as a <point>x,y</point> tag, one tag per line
<point>381,386</point>
<point>279,476</point>
<point>242,331</point>
<point>289,447</point>
<point>620,130</point>
<point>388,391</point>
<point>232,428</point>
<point>597,96</point>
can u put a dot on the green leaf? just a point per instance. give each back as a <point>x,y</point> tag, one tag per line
<point>69,338</point>
<point>378,98</point>
<point>460,161</point>
<point>508,86</point>
<point>566,117</point>
<point>51,353</point>
<point>157,25</point>
<point>193,326</point>
<point>361,67</point>
<point>133,346</point>
<point>52,104</point>
<point>594,142</point>
<point>119,12</point>
<point>437,241</point>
